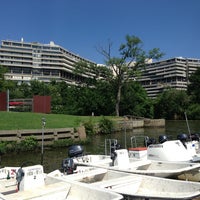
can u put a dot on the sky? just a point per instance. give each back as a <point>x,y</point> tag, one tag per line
<point>83,26</point>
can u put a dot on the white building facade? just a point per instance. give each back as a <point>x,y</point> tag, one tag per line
<point>34,61</point>
<point>170,73</point>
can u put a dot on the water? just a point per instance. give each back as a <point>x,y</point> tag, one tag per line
<point>53,157</point>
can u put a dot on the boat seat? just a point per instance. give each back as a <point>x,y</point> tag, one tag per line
<point>122,158</point>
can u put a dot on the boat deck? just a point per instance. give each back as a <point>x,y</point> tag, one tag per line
<point>59,188</point>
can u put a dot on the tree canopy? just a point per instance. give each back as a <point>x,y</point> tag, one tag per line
<point>171,104</point>
<point>194,86</point>
<point>131,59</point>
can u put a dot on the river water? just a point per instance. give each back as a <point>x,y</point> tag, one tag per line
<point>53,157</point>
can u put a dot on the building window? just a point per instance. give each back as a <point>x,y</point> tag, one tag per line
<point>46,72</point>
<point>55,72</point>
<point>26,71</point>
<point>17,70</point>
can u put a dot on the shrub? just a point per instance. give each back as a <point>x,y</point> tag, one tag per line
<point>105,126</point>
<point>29,143</point>
<point>7,146</point>
<point>2,147</point>
<point>89,127</point>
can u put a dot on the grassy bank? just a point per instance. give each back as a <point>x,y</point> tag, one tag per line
<point>21,120</point>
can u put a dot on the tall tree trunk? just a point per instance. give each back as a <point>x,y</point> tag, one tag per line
<point>118,99</point>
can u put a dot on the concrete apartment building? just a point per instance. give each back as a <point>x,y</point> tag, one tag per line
<point>34,61</point>
<point>170,73</point>
<point>44,62</point>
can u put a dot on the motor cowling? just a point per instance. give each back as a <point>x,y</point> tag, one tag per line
<point>68,166</point>
<point>114,146</point>
<point>148,141</point>
<point>75,151</point>
<point>194,137</point>
<point>162,138</point>
<point>182,137</point>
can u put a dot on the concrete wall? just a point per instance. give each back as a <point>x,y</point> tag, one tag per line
<point>154,122</point>
<point>130,124</point>
<point>50,135</point>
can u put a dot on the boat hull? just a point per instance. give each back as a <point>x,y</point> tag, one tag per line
<point>133,185</point>
<point>146,167</point>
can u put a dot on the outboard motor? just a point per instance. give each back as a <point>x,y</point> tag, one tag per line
<point>194,137</point>
<point>162,138</point>
<point>68,166</point>
<point>75,151</point>
<point>114,146</point>
<point>148,141</point>
<point>183,138</point>
<point>19,176</point>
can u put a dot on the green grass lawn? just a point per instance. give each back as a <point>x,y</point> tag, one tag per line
<point>26,120</point>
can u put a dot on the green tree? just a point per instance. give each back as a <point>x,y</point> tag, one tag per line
<point>135,101</point>
<point>193,111</point>
<point>105,98</point>
<point>194,86</point>
<point>87,100</point>
<point>92,73</point>
<point>82,101</point>
<point>171,104</point>
<point>39,88</point>
<point>56,99</point>
<point>19,91</point>
<point>26,90</point>
<point>131,59</point>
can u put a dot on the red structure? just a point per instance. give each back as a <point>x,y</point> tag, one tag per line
<point>13,103</point>
<point>42,104</point>
<point>3,101</point>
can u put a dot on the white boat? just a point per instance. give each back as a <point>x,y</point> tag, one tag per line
<point>32,183</point>
<point>131,186</point>
<point>122,162</point>
<point>174,151</point>
<point>183,149</point>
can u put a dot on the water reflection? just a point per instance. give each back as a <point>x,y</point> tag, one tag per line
<point>53,158</point>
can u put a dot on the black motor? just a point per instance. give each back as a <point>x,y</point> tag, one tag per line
<point>162,138</point>
<point>75,151</point>
<point>148,141</point>
<point>114,146</point>
<point>182,137</point>
<point>194,137</point>
<point>68,166</point>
